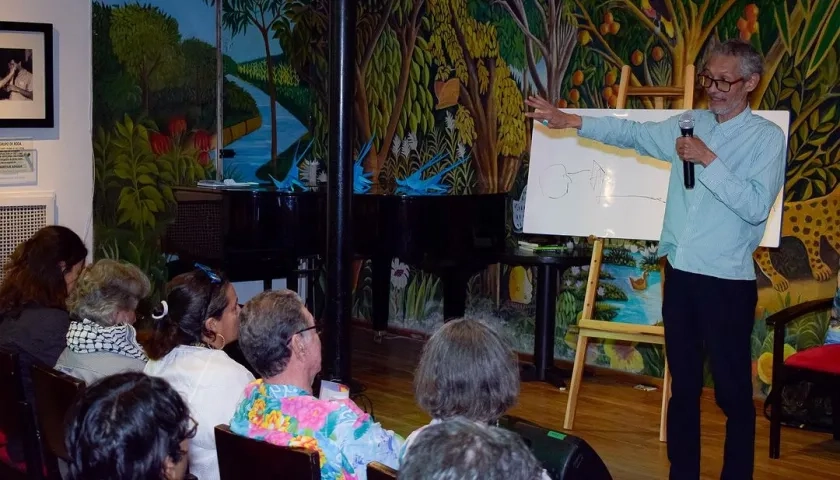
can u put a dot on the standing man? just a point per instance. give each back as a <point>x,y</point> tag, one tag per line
<point>709,235</point>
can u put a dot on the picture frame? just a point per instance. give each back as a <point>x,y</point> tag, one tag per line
<point>26,75</point>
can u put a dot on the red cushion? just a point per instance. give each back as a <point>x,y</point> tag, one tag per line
<point>824,359</point>
<point>4,458</point>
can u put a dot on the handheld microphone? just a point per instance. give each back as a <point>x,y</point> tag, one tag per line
<point>687,129</point>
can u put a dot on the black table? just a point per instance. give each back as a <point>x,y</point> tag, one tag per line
<point>550,267</point>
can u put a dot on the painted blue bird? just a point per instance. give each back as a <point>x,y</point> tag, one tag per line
<point>361,180</point>
<point>414,184</point>
<point>292,178</point>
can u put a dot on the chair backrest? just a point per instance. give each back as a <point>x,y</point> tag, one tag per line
<point>243,457</point>
<point>55,393</point>
<point>16,420</point>
<point>378,471</point>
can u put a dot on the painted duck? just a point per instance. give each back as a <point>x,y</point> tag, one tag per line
<point>640,283</point>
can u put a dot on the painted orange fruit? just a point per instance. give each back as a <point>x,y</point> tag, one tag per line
<point>741,24</point>
<point>657,53</point>
<point>605,28</point>
<point>610,77</point>
<point>574,95</point>
<point>562,103</point>
<point>614,27</point>
<point>577,78</point>
<point>637,58</point>
<point>751,12</point>
<point>608,17</point>
<point>607,93</point>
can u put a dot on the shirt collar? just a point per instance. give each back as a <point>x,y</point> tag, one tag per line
<point>730,126</point>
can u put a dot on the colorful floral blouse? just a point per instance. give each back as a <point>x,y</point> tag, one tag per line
<point>345,436</point>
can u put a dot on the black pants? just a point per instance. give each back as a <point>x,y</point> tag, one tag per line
<point>713,316</point>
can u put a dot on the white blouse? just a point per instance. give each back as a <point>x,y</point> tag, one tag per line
<point>212,385</point>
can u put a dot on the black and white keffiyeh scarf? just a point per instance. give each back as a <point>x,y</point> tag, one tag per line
<point>86,336</point>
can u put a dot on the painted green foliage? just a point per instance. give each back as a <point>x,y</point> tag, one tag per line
<point>154,109</point>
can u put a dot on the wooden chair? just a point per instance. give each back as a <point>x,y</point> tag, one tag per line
<point>243,457</point>
<point>379,471</point>
<point>55,393</point>
<point>16,421</point>
<point>587,326</point>
<point>820,365</point>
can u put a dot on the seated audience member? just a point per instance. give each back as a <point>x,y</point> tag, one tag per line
<point>198,318</point>
<point>466,370</point>
<point>280,340</point>
<point>129,426</point>
<point>101,340</point>
<point>466,450</point>
<point>33,312</point>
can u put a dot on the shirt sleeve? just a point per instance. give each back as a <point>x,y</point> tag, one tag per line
<point>653,139</point>
<point>750,196</point>
<point>364,441</point>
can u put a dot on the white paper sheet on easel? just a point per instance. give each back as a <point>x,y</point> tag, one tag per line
<point>581,187</point>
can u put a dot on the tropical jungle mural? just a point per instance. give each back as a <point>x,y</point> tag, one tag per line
<point>449,77</point>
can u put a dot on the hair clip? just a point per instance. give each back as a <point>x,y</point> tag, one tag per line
<point>165,310</point>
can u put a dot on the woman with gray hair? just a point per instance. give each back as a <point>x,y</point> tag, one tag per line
<point>466,370</point>
<point>101,340</point>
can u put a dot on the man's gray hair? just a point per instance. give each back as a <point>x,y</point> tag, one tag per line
<point>460,449</point>
<point>749,58</point>
<point>106,288</point>
<point>267,324</point>
<point>467,370</point>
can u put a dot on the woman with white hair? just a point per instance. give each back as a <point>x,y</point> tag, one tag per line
<point>101,340</point>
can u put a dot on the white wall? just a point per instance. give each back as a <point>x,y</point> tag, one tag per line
<point>65,152</point>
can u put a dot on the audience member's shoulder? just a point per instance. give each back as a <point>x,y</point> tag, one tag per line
<point>45,315</point>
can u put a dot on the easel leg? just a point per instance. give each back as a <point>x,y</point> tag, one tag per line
<point>574,384</point>
<point>666,397</point>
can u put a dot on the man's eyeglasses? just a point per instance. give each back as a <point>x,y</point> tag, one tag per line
<point>316,327</point>
<point>706,81</point>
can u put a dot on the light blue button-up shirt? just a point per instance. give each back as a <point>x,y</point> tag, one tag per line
<point>714,228</point>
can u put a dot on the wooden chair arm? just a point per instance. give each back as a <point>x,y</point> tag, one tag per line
<point>787,315</point>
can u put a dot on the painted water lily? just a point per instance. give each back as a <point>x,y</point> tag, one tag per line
<point>624,356</point>
<point>399,274</point>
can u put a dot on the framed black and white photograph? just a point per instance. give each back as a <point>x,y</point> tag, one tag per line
<point>26,75</point>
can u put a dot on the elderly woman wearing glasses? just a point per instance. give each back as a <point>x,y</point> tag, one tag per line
<point>101,340</point>
<point>199,316</point>
<point>280,340</point>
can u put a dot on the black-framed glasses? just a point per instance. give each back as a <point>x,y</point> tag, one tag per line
<point>316,327</point>
<point>706,81</point>
<point>214,280</point>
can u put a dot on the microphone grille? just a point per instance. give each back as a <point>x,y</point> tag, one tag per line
<point>687,120</point>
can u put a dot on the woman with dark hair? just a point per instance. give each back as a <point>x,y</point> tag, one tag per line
<point>34,321</point>
<point>33,312</point>
<point>199,316</point>
<point>129,426</point>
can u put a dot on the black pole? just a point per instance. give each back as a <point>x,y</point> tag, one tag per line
<point>340,189</point>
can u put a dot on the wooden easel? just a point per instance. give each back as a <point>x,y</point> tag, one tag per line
<point>587,326</point>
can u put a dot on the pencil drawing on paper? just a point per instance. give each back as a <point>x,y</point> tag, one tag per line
<point>556,179</point>
<point>555,182</point>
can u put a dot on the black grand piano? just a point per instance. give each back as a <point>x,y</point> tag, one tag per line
<point>259,233</point>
